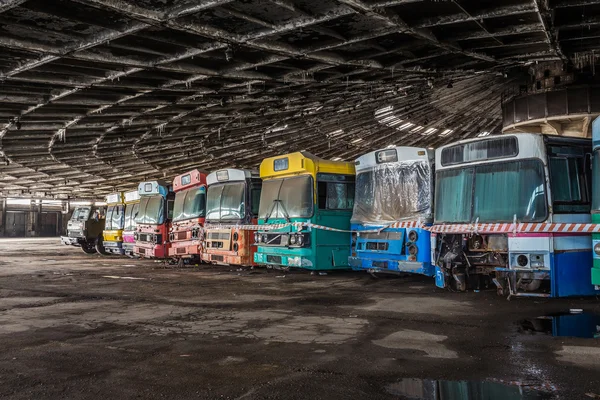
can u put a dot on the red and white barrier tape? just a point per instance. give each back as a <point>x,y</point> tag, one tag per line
<point>487,228</point>
<point>516,228</point>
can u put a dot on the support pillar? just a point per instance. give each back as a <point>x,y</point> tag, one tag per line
<point>3,216</point>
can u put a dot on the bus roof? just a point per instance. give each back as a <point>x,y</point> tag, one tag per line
<point>402,153</point>
<point>302,162</point>
<point>189,179</point>
<point>230,175</point>
<point>132,197</point>
<point>492,149</point>
<point>115,198</point>
<point>153,188</point>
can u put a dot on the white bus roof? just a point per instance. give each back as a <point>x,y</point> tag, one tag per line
<point>529,145</point>
<point>229,175</point>
<point>404,153</point>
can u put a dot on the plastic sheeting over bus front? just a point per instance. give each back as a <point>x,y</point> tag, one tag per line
<point>392,192</point>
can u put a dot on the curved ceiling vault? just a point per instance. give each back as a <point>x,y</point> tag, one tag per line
<point>98,95</point>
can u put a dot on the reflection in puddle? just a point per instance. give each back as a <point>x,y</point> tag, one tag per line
<point>424,389</point>
<point>581,325</point>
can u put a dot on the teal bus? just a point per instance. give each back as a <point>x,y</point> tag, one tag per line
<point>300,191</point>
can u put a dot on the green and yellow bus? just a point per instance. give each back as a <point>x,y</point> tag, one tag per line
<point>301,192</point>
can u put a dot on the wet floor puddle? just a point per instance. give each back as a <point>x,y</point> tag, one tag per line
<point>425,389</point>
<point>577,325</point>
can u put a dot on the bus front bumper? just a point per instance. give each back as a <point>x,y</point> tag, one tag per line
<point>185,249</point>
<point>150,251</point>
<point>283,260</point>
<point>69,241</point>
<point>228,258</point>
<point>114,247</point>
<point>388,266</point>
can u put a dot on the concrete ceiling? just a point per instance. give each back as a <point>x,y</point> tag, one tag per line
<point>98,95</point>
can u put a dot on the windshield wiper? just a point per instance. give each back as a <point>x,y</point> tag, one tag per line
<point>278,201</point>
<point>271,210</point>
<point>287,215</point>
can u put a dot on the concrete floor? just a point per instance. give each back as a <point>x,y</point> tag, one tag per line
<point>74,326</point>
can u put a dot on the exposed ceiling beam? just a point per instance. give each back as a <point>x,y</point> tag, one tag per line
<point>6,5</point>
<point>395,20</point>
<point>547,21</point>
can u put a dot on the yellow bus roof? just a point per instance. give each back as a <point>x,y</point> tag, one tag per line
<point>302,162</point>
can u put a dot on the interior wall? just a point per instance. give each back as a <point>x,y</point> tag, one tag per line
<point>31,220</point>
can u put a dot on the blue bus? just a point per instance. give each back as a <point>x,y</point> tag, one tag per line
<point>393,203</point>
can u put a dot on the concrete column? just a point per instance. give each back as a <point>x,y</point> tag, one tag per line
<point>3,216</point>
<point>38,220</point>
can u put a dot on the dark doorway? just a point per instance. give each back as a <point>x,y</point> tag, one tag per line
<point>49,224</point>
<point>15,224</point>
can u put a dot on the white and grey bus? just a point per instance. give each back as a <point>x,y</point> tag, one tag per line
<point>486,187</point>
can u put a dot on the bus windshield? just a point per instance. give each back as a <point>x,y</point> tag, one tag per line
<point>151,211</point>
<point>392,192</point>
<point>596,181</point>
<point>190,203</point>
<point>225,201</point>
<point>131,211</point>
<point>290,197</point>
<point>114,217</point>
<point>496,192</point>
<point>81,213</point>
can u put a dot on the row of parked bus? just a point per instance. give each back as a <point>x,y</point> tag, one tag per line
<point>510,212</point>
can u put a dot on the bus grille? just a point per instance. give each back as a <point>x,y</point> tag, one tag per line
<point>218,235</point>
<point>274,259</point>
<point>216,258</point>
<point>276,239</point>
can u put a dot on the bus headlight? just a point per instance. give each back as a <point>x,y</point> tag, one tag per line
<point>597,248</point>
<point>256,237</point>
<point>265,238</point>
<point>293,239</point>
<point>413,236</point>
<point>412,250</point>
<point>522,260</point>
<point>236,236</point>
<point>300,240</point>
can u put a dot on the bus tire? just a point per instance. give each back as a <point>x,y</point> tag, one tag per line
<point>100,247</point>
<point>88,248</point>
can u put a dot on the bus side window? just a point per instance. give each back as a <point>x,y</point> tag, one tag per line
<point>566,180</point>
<point>569,182</point>
<point>170,204</point>
<point>335,195</point>
<point>255,200</point>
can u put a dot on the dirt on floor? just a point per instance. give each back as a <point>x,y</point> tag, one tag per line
<point>75,326</point>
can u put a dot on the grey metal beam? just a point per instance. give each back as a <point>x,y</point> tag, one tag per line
<point>6,5</point>
<point>546,19</point>
<point>503,11</point>
<point>395,20</point>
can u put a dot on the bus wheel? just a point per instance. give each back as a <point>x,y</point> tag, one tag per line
<point>88,248</point>
<point>100,247</point>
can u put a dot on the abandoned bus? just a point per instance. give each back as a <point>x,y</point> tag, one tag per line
<point>153,220</point>
<point>188,216</point>
<point>300,188</point>
<point>596,200</point>
<point>232,200</point>
<point>84,229</point>
<point>491,185</point>
<point>115,220</point>
<point>393,187</point>
<point>132,205</point>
